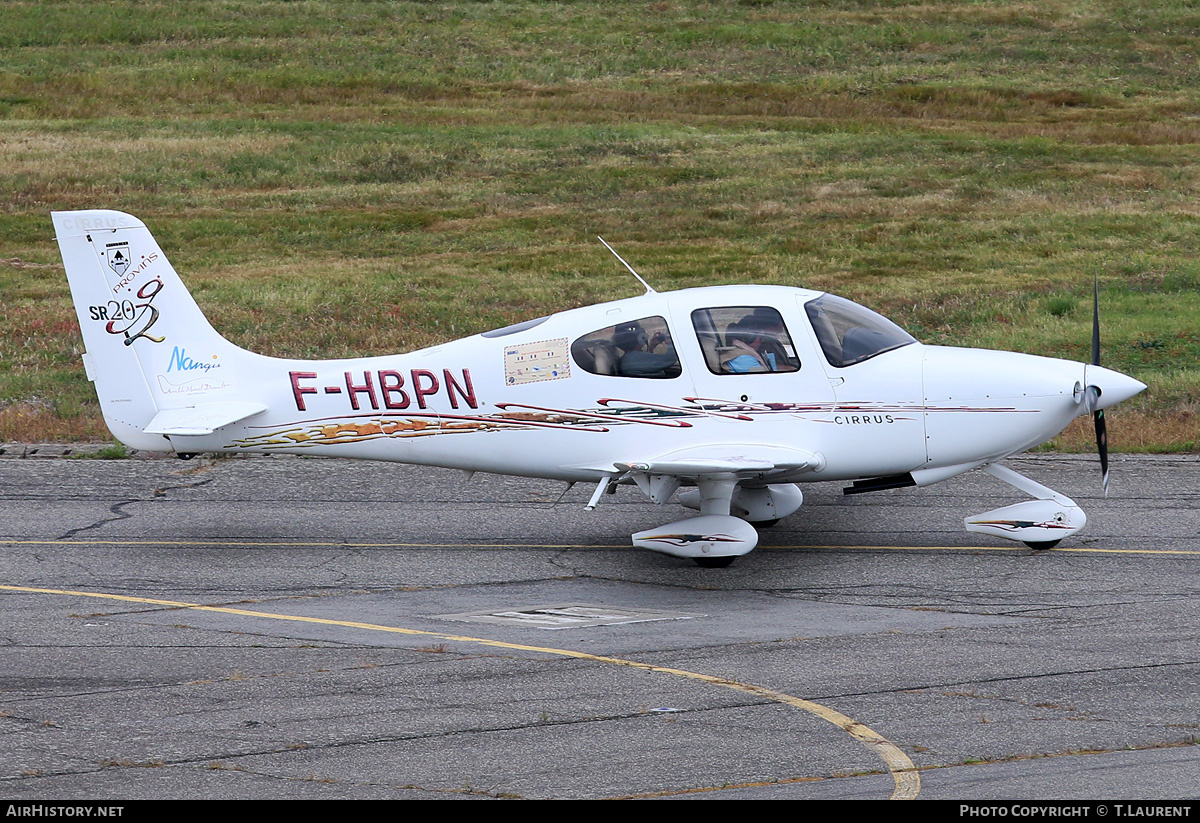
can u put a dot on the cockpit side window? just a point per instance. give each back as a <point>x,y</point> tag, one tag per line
<point>634,348</point>
<point>850,333</point>
<point>744,340</point>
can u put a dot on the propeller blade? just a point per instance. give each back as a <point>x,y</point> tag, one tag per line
<point>1102,444</point>
<point>1093,392</point>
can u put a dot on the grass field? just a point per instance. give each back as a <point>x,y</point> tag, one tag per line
<point>336,178</point>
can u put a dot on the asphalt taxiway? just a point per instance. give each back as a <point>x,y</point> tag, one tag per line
<point>305,628</point>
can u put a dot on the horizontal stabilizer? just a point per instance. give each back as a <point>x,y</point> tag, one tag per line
<point>199,420</point>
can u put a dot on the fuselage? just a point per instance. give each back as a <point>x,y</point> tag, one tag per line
<point>560,398</point>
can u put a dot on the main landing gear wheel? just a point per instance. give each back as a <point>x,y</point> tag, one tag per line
<point>1042,545</point>
<point>715,562</point>
<point>765,524</point>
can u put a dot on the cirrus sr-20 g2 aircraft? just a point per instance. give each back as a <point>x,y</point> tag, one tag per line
<point>728,397</point>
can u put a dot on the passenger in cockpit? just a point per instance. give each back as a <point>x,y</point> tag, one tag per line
<point>746,339</point>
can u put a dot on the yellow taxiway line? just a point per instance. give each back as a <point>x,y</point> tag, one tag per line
<point>905,778</point>
<point>779,547</point>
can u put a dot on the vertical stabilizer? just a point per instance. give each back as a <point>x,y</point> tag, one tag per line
<point>149,347</point>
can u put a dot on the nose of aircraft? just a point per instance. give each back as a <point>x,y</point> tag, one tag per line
<point>1114,386</point>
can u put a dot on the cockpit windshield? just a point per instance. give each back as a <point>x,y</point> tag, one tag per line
<point>850,333</point>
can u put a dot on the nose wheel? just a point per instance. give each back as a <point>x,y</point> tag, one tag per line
<point>714,562</point>
<point>1041,545</point>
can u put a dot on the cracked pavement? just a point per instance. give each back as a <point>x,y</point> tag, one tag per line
<point>1001,673</point>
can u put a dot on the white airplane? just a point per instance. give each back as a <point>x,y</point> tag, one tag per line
<point>730,395</point>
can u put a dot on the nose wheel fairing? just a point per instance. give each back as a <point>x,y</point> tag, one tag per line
<point>1040,523</point>
<point>1036,523</point>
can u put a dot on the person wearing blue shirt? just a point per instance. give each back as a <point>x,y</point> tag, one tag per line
<point>747,339</point>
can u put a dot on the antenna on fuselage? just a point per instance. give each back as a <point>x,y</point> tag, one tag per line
<point>649,290</point>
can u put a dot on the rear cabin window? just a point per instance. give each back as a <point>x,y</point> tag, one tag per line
<point>744,340</point>
<point>634,348</point>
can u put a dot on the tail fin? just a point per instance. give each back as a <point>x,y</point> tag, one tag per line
<point>160,368</point>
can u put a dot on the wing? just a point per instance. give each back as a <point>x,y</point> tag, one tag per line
<point>713,466</point>
<point>726,464</point>
<point>734,461</point>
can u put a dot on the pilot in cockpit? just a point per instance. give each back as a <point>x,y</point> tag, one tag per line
<point>639,358</point>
